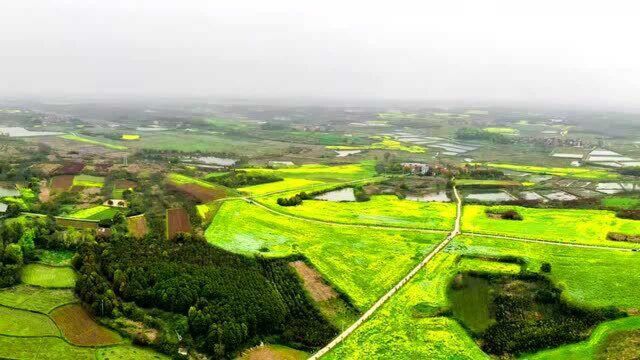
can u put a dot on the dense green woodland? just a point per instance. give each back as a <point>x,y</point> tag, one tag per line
<point>230,301</point>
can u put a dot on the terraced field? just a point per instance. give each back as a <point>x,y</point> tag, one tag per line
<point>578,226</point>
<point>363,262</point>
<point>28,329</point>
<point>35,299</point>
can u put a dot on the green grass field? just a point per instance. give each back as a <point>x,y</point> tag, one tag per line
<point>92,141</point>
<point>35,298</point>
<point>88,181</point>
<point>54,348</point>
<point>360,261</point>
<point>563,225</point>
<point>570,172</point>
<point>16,322</point>
<point>126,352</point>
<point>621,202</point>
<point>207,142</point>
<point>48,276</point>
<point>380,210</point>
<point>45,348</point>
<point>99,212</point>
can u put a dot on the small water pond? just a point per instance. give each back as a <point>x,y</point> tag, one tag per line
<point>440,196</point>
<point>491,196</point>
<point>212,160</point>
<point>4,192</point>
<point>344,153</point>
<point>345,194</point>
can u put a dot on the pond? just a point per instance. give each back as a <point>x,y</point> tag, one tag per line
<point>560,196</point>
<point>344,153</point>
<point>4,192</point>
<point>212,160</point>
<point>145,128</point>
<point>493,196</point>
<point>440,196</point>
<point>345,194</point>
<point>22,132</point>
<point>470,299</point>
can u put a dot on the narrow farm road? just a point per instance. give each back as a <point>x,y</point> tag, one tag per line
<point>398,286</point>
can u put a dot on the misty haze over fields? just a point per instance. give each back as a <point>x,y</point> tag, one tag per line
<point>542,52</point>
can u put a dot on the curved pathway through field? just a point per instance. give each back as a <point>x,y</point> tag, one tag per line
<point>398,286</point>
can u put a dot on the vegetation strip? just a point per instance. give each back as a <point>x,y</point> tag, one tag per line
<point>373,226</point>
<point>398,286</point>
<point>584,246</point>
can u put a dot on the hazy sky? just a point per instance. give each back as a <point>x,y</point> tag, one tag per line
<point>574,52</point>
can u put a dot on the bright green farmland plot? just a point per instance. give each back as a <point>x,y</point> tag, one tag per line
<point>42,348</point>
<point>361,261</point>
<point>92,141</point>
<point>99,212</point>
<point>48,276</point>
<point>563,225</point>
<point>35,298</point>
<point>621,202</point>
<point>380,210</point>
<point>403,327</point>
<point>88,181</point>
<point>583,273</point>
<point>25,323</point>
<point>126,352</point>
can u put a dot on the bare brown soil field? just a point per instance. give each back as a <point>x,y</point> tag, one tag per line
<point>313,282</point>
<point>79,328</point>
<point>177,222</point>
<point>122,184</point>
<point>47,168</point>
<point>200,193</point>
<point>45,192</point>
<point>273,352</point>
<point>61,183</point>
<point>78,224</point>
<point>71,169</point>
<point>137,226</point>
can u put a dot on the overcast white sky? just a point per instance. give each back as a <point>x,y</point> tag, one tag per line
<point>573,52</point>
